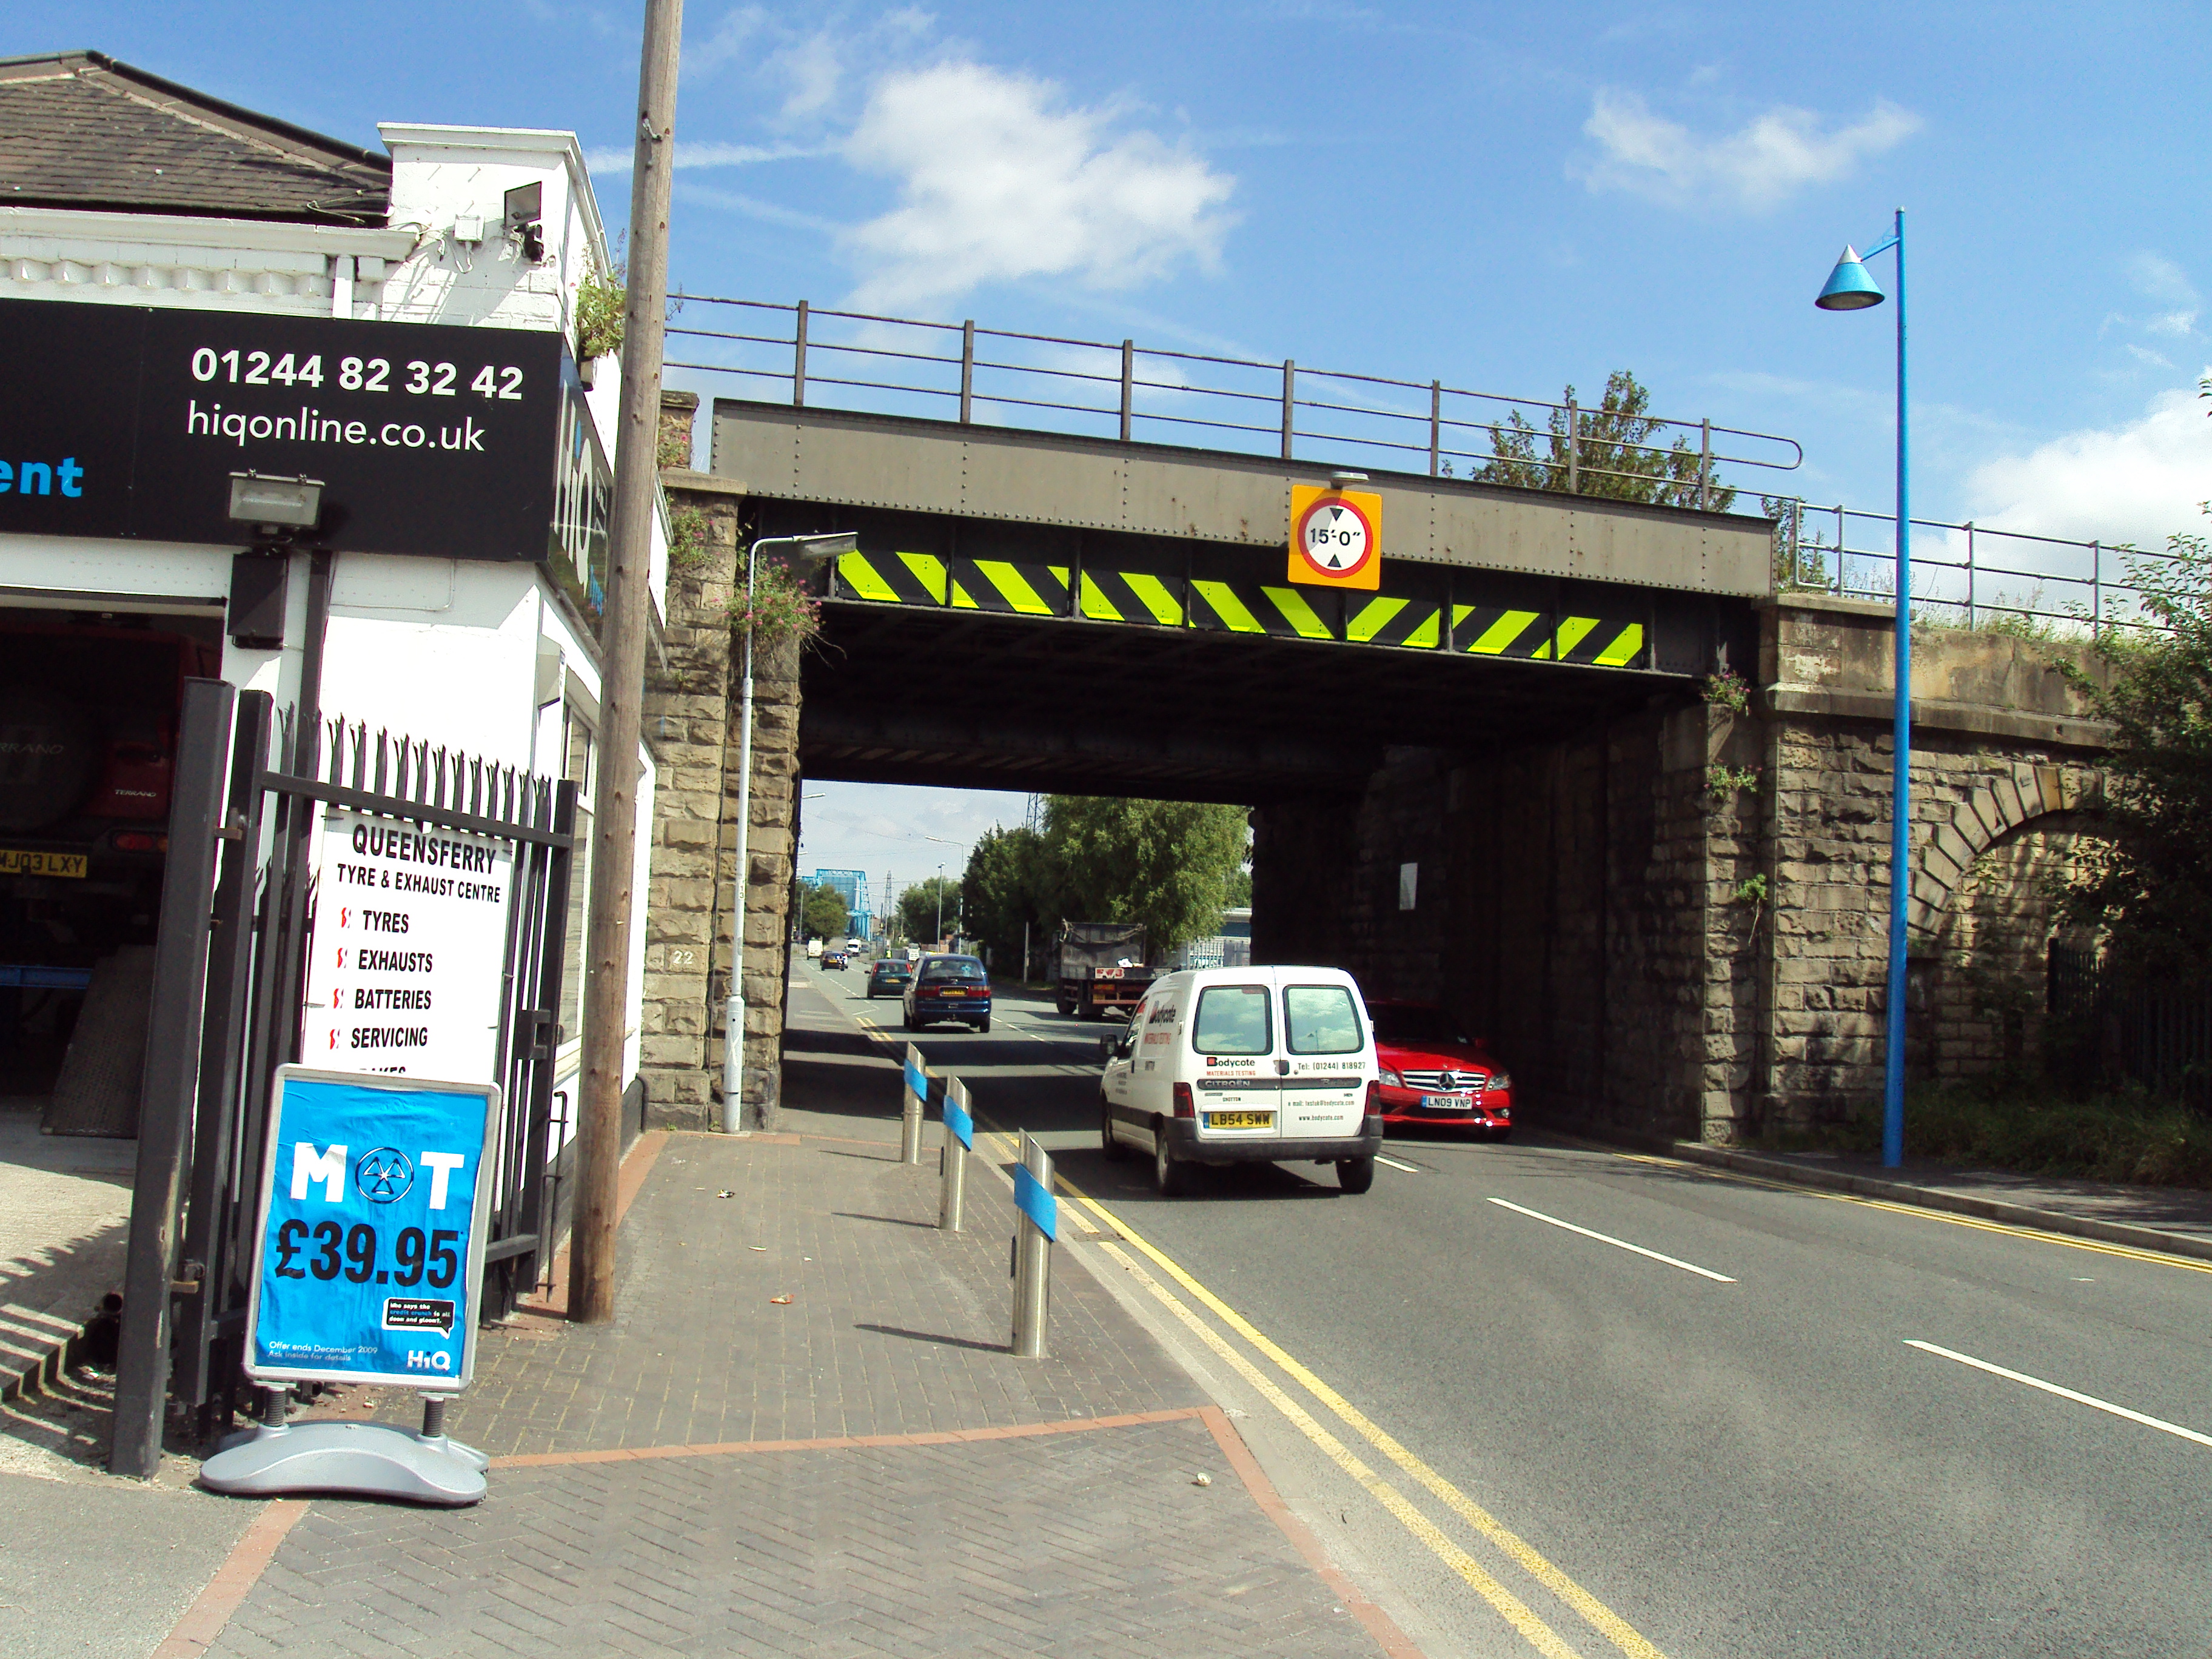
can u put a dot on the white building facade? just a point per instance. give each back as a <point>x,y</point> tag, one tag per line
<point>462,611</point>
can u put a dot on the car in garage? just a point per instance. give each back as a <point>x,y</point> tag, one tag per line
<point>1244,1065</point>
<point>948,987</point>
<point>890,976</point>
<point>1429,1071</point>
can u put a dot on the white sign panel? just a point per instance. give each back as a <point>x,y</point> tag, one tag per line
<point>404,974</point>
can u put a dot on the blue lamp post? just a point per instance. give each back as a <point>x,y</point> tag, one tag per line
<point>1851,289</point>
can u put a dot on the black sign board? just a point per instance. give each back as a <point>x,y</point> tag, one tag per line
<point>129,421</point>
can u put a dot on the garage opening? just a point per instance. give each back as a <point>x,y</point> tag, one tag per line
<point>89,711</point>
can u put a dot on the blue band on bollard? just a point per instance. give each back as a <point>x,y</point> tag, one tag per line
<point>958,1120</point>
<point>1031,1199</point>
<point>917,1080</point>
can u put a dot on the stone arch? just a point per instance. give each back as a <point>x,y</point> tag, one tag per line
<point>2000,804</point>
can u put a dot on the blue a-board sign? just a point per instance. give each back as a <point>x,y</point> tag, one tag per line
<point>369,1260</point>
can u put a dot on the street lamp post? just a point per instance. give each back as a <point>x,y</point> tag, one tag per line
<point>943,841</point>
<point>806,549</point>
<point>1851,289</point>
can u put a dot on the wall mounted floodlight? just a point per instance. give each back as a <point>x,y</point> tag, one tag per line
<point>1850,286</point>
<point>524,215</point>
<point>274,505</point>
<point>1337,480</point>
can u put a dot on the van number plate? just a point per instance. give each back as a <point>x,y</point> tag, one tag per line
<point>1240,1120</point>
<point>14,862</point>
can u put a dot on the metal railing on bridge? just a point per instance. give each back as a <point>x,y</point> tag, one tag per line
<point>1964,574</point>
<point>997,377</point>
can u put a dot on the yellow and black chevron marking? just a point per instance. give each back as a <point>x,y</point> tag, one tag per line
<point>1419,623</point>
<point>1597,641</point>
<point>1249,608</point>
<point>1132,596</point>
<point>893,577</point>
<point>1027,590</point>
<point>1013,587</point>
<point>1487,631</point>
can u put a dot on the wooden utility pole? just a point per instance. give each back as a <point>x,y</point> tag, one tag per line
<point>621,684</point>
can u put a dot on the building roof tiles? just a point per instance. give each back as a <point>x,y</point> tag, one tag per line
<point>79,130</point>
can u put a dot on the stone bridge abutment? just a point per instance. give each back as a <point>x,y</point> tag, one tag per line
<point>1675,922</point>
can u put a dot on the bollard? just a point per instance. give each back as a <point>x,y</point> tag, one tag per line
<point>1034,1232</point>
<point>915,1087</point>
<point>959,1136</point>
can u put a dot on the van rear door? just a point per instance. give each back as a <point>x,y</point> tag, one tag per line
<point>1233,1075</point>
<point>1323,1091</point>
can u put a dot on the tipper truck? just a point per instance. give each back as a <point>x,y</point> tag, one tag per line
<point>1101,966</point>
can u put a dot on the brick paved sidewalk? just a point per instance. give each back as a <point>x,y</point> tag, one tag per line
<point>864,1470</point>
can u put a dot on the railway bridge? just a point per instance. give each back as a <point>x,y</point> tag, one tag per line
<point>1665,909</point>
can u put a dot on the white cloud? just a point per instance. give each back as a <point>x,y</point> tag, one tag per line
<point>2142,482</point>
<point>706,154</point>
<point>727,42</point>
<point>1001,178</point>
<point>2157,277</point>
<point>801,72</point>
<point>1775,155</point>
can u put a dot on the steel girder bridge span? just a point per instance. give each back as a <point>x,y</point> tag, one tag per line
<point>1033,612</point>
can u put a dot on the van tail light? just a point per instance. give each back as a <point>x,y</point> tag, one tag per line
<point>1374,1095</point>
<point>1183,1105</point>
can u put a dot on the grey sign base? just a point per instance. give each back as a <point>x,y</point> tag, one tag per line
<point>368,1460</point>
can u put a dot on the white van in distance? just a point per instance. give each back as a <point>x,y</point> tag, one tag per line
<point>1244,1065</point>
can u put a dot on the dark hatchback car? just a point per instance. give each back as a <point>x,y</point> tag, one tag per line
<point>890,976</point>
<point>948,987</point>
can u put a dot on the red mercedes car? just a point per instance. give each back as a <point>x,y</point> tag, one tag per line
<point>1429,1072</point>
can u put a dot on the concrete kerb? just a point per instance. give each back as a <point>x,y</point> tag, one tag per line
<point>1928,1198</point>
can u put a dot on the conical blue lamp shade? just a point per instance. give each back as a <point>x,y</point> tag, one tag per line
<point>1849,287</point>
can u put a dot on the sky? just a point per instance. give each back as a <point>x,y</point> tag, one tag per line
<point>1509,198</point>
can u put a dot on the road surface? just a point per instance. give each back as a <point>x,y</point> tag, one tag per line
<point>1595,1403</point>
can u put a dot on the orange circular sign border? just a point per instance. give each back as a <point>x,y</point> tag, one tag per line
<point>1299,536</point>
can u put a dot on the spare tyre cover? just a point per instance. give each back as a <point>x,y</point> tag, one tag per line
<point>50,758</point>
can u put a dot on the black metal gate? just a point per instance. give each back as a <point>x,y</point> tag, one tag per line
<point>240,923</point>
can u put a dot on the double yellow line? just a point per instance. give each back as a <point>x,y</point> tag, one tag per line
<point>1515,1612</point>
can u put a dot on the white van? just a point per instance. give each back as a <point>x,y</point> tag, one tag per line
<point>1237,1064</point>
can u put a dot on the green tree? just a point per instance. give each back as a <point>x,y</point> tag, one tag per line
<point>2149,881</point>
<point>824,914</point>
<point>919,908</point>
<point>1169,864</point>
<point>1008,888</point>
<point>1615,455</point>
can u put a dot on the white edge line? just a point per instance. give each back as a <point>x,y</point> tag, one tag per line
<point>2089,1399</point>
<point>1410,1169</point>
<point>1618,1243</point>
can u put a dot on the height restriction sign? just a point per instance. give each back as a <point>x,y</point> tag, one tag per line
<point>1336,537</point>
